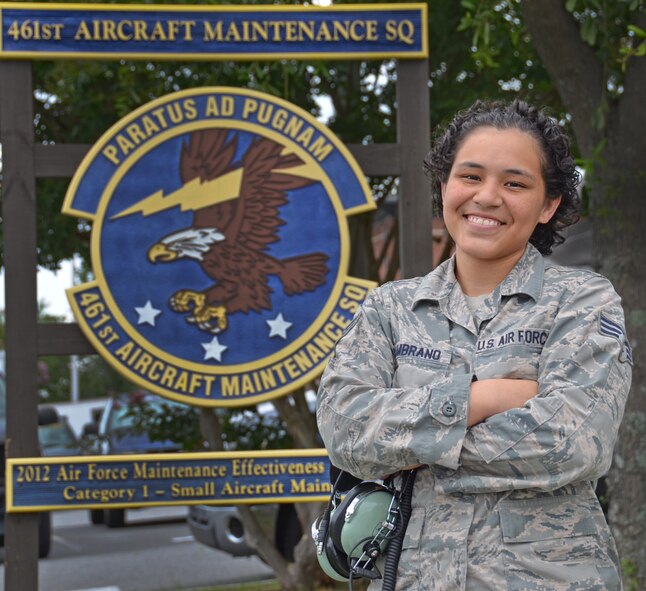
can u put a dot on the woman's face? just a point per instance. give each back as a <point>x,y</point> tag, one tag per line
<point>495,195</point>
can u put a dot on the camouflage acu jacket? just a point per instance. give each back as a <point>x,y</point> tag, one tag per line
<point>508,503</point>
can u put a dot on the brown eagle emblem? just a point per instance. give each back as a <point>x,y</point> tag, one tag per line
<point>236,207</point>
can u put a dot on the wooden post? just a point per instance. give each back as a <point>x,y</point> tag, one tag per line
<point>21,301</point>
<point>415,210</point>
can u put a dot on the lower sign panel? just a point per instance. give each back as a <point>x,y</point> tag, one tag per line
<point>37,484</point>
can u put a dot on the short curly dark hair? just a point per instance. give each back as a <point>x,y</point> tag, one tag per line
<point>559,171</point>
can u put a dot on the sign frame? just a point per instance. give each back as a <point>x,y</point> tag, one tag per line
<point>25,160</point>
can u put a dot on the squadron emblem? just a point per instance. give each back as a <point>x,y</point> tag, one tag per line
<point>219,245</point>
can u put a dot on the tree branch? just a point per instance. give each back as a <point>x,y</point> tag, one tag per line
<point>299,420</point>
<point>211,429</point>
<point>570,62</point>
<point>256,537</point>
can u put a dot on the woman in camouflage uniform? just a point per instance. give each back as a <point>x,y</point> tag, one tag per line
<point>503,376</point>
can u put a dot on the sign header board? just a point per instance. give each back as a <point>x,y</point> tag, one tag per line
<point>90,31</point>
<point>215,478</point>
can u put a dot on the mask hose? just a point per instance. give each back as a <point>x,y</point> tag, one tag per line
<point>394,550</point>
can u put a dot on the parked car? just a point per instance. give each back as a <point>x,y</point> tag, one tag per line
<point>221,527</point>
<point>46,416</point>
<point>58,439</point>
<point>119,431</point>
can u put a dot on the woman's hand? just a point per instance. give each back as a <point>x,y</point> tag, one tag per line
<point>490,397</point>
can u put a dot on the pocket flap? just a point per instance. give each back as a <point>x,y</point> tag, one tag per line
<point>545,518</point>
<point>414,529</point>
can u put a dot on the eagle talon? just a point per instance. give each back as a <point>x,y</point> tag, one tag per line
<point>208,318</point>
<point>211,319</point>
<point>186,300</point>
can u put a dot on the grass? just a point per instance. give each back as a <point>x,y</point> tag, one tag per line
<point>269,585</point>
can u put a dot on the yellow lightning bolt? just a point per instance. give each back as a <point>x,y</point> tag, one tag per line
<point>192,196</point>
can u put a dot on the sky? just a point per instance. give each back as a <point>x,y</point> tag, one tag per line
<point>51,289</point>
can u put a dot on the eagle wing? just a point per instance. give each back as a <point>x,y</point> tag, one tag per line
<point>264,191</point>
<point>208,155</point>
<point>252,219</point>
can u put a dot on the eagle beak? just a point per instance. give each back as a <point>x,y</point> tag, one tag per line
<point>159,252</point>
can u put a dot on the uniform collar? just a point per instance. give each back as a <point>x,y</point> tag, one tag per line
<point>525,278</point>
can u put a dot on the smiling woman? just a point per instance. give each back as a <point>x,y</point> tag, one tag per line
<point>500,377</point>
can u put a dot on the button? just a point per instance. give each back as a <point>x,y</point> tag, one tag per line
<point>448,409</point>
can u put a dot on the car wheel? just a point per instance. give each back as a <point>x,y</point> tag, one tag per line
<point>44,534</point>
<point>97,516</point>
<point>115,517</point>
<point>288,531</point>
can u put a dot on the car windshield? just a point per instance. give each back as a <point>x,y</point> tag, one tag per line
<point>56,435</point>
<point>123,417</point>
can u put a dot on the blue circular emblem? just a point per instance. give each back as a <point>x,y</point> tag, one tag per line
<point>220,245</point>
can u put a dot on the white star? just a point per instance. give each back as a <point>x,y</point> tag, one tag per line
<point>278,327</point>
<point>147,314</point>
<point>214,350</point>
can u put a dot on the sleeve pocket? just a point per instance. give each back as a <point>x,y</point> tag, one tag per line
<point>503,431</point>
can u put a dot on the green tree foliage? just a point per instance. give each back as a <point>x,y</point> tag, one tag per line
<point>168,422</point>
<point>243,428</point>
<point>96,379</point>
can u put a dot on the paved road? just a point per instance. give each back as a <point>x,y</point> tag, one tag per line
<point>154,552</point>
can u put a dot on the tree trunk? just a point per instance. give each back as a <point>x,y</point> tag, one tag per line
<point>301,424</point>
<point>619,238</point>
<point>304,573</point>
<point>572,65</point>
<point>618,217</point>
